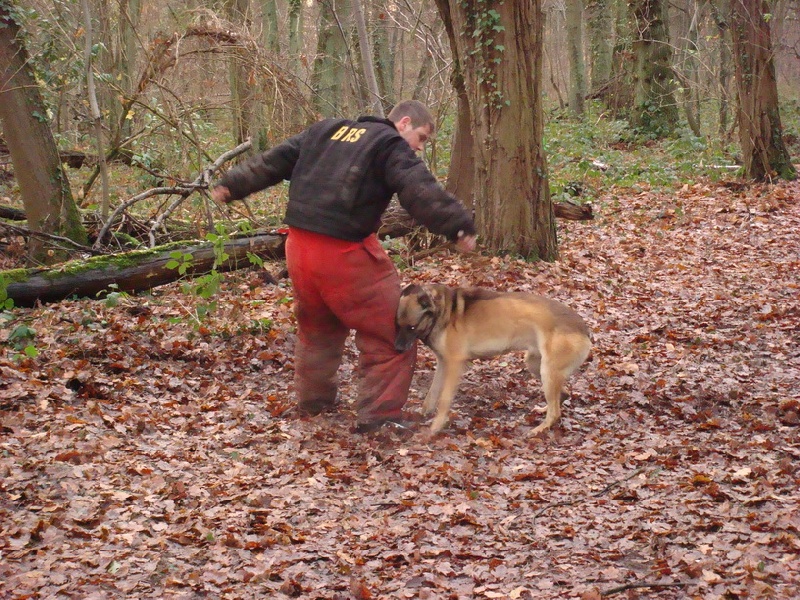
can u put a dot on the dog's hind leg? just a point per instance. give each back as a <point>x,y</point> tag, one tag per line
<point>553,380</point>
<point>452,371</point>
<point>534,362</point>
<point>432,397</point>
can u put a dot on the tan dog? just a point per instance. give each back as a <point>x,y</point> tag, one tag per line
<point>461,324</point>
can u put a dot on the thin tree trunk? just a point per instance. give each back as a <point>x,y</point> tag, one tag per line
<point>600,22</point>
<point>269,24</point>
<point>295,35</point>
<point>329,73</point>
<point>241,78</point>
<point>461,176</point>
<point>375,104</point>
<point>691,99</point>
<point>383,52</point>
<point>721,12</point>
<point>97,117</point>
<point>127,52</point>
<point>577,67</point>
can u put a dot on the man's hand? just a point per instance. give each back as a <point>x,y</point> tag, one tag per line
<point>221,194</point>
<point>465,243</point>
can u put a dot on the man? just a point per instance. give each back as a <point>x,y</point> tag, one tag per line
<point>342,176</point>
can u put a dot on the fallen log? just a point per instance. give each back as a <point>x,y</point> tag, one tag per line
<point>11,213</point>
<point>132,271</point>
<point>573,212</point>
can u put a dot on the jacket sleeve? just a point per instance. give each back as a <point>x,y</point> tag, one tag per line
<point>423,196</point>
<point>263,170</point>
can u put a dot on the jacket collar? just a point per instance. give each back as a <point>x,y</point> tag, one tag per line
<point>377,120</point>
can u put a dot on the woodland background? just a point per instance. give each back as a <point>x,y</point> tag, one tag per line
<point>148,445</point>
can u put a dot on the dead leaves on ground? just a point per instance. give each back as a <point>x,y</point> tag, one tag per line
<point>149,453</point>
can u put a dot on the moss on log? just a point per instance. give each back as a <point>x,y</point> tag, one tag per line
<point>132,271</point>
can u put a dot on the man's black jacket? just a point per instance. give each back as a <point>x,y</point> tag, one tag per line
<point>343,174</point>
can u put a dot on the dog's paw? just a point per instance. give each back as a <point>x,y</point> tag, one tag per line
<point>540,429</point>
<point>429,406</point>
<point>438,424</point>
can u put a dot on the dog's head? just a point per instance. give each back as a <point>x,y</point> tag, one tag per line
<point>416,316</point>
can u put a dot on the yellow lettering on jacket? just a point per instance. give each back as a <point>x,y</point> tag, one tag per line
<point>339,133</point>
<point>348,134</point>
<point>354,135</point>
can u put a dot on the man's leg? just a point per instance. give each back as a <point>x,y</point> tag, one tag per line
<point>320,334</point>
<point>385,374</point>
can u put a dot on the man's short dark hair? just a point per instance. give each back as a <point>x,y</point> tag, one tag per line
<point>416,110</point>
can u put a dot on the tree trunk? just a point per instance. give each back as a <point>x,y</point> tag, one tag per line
<point>130,12</point>
<point>243,96</point>
<point>269,24</point>
<point>690,83</point>
<point>618,93</point>
<point>499,50</point>
<point>383,52</point>
<point>375,106</point>
<point>599,19</point>
<point>329,73</point>
<point>43,184</point>
<point>763,150</point>
<point>461,176</point>
<point>94,108</point>
<point>132,272</point>
<point>296,36</point>
<point>721,13</point>
<point>577,67</point>
<point>655,111</point>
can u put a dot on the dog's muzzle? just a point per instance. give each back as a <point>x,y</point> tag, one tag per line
<point>404,339</point>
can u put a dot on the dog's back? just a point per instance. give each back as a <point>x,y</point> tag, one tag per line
<point>496,322</point>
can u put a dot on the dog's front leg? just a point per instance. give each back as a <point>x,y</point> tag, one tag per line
<point>450,379</point>
<point>432,398</point>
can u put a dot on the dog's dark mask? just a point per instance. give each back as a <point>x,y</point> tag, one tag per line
<point>415,317</point>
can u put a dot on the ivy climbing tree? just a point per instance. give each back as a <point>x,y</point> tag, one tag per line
<point>497,47</point>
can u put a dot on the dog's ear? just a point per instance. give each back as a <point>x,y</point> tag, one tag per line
<point>410,289</point>
<point>425,299</point>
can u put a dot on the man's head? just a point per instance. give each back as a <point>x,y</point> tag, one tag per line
<point>414,122</point>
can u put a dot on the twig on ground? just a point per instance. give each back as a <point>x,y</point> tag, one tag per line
<point>605,490</point>
<point>641,584</point>
<point>24,231</point>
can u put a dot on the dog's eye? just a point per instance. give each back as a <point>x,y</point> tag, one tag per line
<point>412,328</point>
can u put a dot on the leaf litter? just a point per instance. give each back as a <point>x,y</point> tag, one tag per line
<point>148,453</point>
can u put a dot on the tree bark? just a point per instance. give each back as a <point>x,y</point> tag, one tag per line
<point>461,176</point>
<point>94,107</point>
<point>577,67</point>
<point>45,189</point>
<point>763,150</point>
<point>374,106</point>
<point>600,21</point>
<point>132,272</point>
<point>499,50</point>
<point>655,111</point>
<point>329,74</point>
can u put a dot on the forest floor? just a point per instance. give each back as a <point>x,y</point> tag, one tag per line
<point>151,452</point>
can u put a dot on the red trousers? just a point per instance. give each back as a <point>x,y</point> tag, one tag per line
<point>341,286</point>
